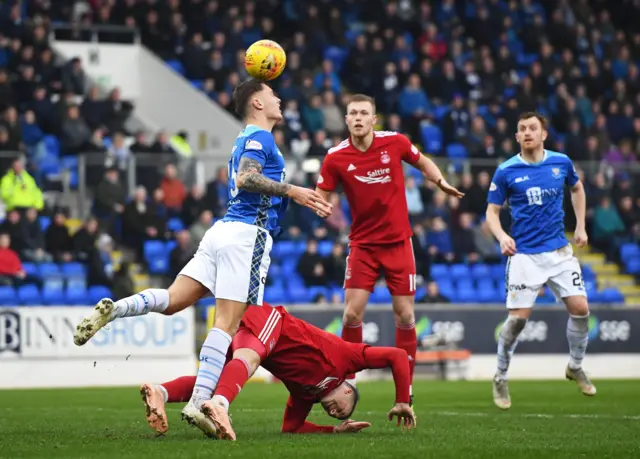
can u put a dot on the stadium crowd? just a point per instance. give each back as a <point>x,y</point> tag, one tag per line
<point>453,75</point>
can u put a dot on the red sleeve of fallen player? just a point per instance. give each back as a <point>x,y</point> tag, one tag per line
<point>398,361</point>
<point>295,418</point>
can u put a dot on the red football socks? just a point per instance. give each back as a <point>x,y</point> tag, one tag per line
<point>352,333</point>
<point>233,377</point>
<point>406,339</point>
<point>179,390</point>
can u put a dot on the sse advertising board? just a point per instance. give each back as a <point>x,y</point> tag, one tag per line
<point>47,332</point>
<point>610,330</point>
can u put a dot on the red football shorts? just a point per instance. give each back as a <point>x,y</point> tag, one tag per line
<point>395,260</point>
<point>259,330</point>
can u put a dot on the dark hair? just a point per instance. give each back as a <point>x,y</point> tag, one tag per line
<point>243,93</point>
<point>538,116</point>
<point>363,98</point>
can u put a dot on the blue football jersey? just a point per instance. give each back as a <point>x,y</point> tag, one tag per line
<point>254,208</point>
<point>535,193</point>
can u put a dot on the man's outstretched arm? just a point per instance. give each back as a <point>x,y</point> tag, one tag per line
<point>398,361</point>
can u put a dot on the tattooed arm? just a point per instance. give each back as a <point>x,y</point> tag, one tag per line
<point>250,178</point>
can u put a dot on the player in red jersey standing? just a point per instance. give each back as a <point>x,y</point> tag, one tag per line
<point>310,362</point>
<point>368,165</point>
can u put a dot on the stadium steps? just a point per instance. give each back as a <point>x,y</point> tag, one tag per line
<point>631,290</point>
<point>632,300</point>
<point>615,280</point>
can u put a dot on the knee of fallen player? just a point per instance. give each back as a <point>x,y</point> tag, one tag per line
<point>577,305</point>
<point>341,402</point>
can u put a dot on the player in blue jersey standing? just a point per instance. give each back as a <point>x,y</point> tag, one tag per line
<point>232,260</point>
<point>532,182</point>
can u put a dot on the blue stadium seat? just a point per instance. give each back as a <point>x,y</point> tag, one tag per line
<point>486,284</point>
<point>459,271</point>
<point>52,145</point>
<point>498,271</point>
<point>294,280</point>
<point>480,271</point>
<point>44,222</point>
<point>77,297</point>
<point>48,270</point>
<point>98,292</point>
<point>325,248</point>
<point>176,66</point>
<point>29,295</point>
<point>8,296</point>
<point>431,138</point>
<point>275,270</point>
<point>466,295</point>
<point>298,294</point>
<point>314,292</point>
<point>629,251</point>
<point>170,245</point>
<point>464,283</point>
<point>198,84</point>
<point>73,270</point>
<point>284,249</point>
<point>275,295</point>
<point>588,274</point>
<point>53,295</point>
<point>289,266</point>
<point>339,292</point>
<point>206,302</point>
<point>175,224</point>
<point>633,266</point>
<point>457,151</point>
<point>31,269</point>
<point>611,295</point>
<point>158,264</point>
<point>488,295</point>
<point>153,248</point>
<point>380,295</point>
<point>439,271</point>
<point>446,288</point>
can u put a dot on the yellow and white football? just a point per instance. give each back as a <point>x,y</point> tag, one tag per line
<point>265,60</point>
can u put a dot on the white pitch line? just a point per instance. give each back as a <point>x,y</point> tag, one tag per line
<point>534,415</point>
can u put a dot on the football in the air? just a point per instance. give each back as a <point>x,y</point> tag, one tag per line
<point>265,60</point>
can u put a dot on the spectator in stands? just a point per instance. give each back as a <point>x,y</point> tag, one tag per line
<point>335,265</point>
<point>93,109</point>
<point>181,254</point>
<point>193,205</point>
<point>18,189</point>
<point>33,236</point>
<point>433,295</point>
<point>414,199</point>
<point>122,282</point>
<point>76,135</point>
<point>486,244</point>
<point>117,111</point>
<point>118,153</point>
<point>333,114</point>
<point>11,271</point>
<point>161,144</point>
<point>337,222</point>
<point>630,217</point>
<point>58,241</point>
<point>201,226</point>
<point>14,227</point>
<point>7,145</point>
<point>439,240</point>
<point>33,137</point>
<point>6,92</point>
<point>606,225</point>
<point>217,194</point>
<point>463,240</point>
<point>100,264</point>
<point>420,244</point>
<point>109,199</point>
<point>311,267</point>
<point>140,222</point>
<point>85,239</point>
<point>74,79</point>
<point>11,122</point>
<point>174,190</point>
<point>312,116</point>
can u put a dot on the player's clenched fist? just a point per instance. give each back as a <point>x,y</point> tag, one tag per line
<point>580,237</point>
<point>351,426</point>
<point>507,246</point>
<point>405,414</point>
<point>311,199</point>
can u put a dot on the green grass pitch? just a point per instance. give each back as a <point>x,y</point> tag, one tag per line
<point>456,420</point>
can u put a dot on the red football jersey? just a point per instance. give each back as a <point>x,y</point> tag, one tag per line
<point>373,182</point>
<point>309,361</point>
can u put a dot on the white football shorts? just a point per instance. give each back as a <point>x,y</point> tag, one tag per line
<point>232,261</point>
<point>527,273</point>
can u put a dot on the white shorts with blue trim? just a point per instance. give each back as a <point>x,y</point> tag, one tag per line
<point>527,273</point>
<point>232,261</point>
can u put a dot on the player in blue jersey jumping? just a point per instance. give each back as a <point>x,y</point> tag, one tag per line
<point>532,182</point>
<point>232,260</point>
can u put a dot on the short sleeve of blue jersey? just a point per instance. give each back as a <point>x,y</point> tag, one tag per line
<point>572,175</point>
<point>259,146</point>
<point>498,188</point>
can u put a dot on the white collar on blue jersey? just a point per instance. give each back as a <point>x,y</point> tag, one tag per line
<point>544,157</point>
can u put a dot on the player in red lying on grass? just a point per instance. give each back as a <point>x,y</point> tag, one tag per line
<point>312,363</point>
